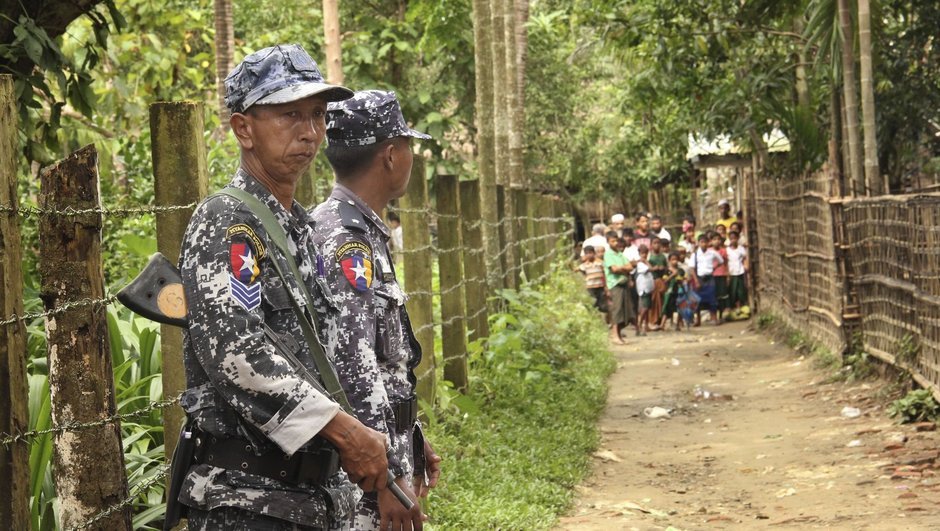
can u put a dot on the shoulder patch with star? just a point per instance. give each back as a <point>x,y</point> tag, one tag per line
<point>244,255</point>
<point>355,259</point>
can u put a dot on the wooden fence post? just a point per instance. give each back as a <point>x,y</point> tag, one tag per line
<point>14,391</point>
<point>453,316</point>
<point>505,254</point>
<point>415,220</point>
<point>180,177</point>
<point>89,462</point>
<point>474,261</point>
<point>520,232</point>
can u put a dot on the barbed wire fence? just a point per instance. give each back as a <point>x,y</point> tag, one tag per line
<point>462,292</point>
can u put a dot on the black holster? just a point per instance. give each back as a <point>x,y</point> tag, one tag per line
<point>183,458</point>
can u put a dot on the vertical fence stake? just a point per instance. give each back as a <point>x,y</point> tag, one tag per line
<point>14,391</point>
<point>180,177</point>
<point>474,261</point>
<point>505,253</point>
<point>520,232</point>
<point>417,264</point>
<point>453,317</point>
<point>89,463</point>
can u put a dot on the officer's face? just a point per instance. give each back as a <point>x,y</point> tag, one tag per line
<point>401,169</point>
<point>284,138</point>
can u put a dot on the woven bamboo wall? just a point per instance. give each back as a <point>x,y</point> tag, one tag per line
<point>800,279</point>
<point>893,246</point>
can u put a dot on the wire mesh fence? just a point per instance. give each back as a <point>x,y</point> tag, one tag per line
<point>533,254</point>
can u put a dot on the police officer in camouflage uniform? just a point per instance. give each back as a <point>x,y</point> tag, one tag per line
<point>267,436</point>
<point>366,326</point>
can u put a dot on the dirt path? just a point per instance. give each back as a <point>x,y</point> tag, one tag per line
<point>778,456</point>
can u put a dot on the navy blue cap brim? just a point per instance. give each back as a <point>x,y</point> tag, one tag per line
<point>417,134</point>
<point>305,90</point>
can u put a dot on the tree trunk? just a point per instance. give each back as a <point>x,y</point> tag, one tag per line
<point>522,53</point>
<point>334,48</point>
<point>224,54</point>
<point>89,461</point>
<point>873,180</point>
<point>850,99</point>
<point>513,108</point>
<point>802,86</point>
<point>501,90</point>
<point>485,137</point>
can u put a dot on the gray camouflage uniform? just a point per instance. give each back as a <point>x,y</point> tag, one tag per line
<point>238,385</point>
<point>241,389</point>
<point>366,327</point>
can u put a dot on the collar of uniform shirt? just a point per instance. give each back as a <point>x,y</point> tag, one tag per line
<point>341,193</point>
<point>294,220</point>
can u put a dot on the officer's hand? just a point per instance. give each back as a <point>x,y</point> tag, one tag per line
<point>393,513</point>
<point>432,464</point>
<point>361,451</point>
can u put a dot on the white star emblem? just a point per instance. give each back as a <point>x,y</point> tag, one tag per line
<point>248,262</point>
<point>359,270</point>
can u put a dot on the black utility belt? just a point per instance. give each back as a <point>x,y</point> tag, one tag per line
<point>406,414</point>
<point>311,467</point>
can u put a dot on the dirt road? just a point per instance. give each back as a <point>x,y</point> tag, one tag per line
<point>779,455</point>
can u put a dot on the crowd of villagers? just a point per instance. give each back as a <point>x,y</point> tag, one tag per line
<point>647,278</point>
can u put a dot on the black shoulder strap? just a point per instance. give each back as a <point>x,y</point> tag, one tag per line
<point>279,238</point>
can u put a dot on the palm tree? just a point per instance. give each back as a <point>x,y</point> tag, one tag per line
<point>224,54</point>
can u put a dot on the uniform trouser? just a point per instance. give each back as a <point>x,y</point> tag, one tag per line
<point>235,519</point>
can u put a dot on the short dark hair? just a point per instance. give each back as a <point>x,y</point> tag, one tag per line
<point>656,240</point>
<point>640,215</point>
<point>588,249</point>
<point>612,234</point>
<point>657,217</point>
<point>643,249</point>
<point>704,236</point>
<point>348,161</point>
<point>690,218</point>
<point>674,254</point>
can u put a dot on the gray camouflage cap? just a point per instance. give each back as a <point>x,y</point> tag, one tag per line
<point>368,117</point>
<point>278,74</point>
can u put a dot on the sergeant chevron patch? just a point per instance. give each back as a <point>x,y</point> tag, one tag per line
<point>248,295</point>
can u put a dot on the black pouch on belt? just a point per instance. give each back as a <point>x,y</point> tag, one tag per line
<point>312,466</point>
<point>406,414</point>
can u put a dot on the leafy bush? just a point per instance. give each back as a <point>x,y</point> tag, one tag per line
<point>916,406</point>
<point>517,443</point>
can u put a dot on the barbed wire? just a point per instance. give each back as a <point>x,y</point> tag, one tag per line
<point>144,486</point>
<point>27,211</point>
<point>26,436</point>
<point>71,305</point>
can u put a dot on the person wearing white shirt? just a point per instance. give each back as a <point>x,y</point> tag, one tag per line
<point>596,240</point>
<point>704,262</point>
<point>737,270</point>
<point>657,230</point>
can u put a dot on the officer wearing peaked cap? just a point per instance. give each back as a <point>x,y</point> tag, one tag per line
<point>271,442</point>
<point>366,326</point>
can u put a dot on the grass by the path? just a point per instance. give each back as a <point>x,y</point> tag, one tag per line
<point>524,438</point>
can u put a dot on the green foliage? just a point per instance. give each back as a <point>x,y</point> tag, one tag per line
<point>916,406</point>
<point>538,385</point>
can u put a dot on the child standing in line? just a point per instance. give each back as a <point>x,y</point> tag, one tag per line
<point>676,287</point>
<point>737,271</point>
<point>659,266</point>
<point>721,276</point>
<point>705,261</point>
<point>592,268</point>
<point>644,290</point>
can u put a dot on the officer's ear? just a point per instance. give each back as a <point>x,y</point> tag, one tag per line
<point>388,154</point>
<point>241,126</point>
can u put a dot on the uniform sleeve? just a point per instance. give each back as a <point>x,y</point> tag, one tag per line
<point>351,331</point>
<point>222,278</point>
